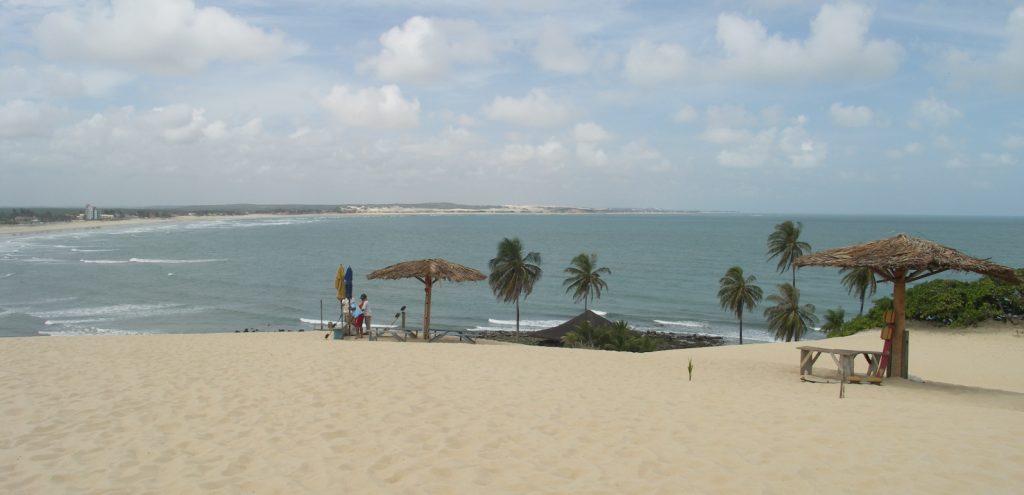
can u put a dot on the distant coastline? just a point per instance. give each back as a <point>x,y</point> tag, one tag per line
<point>238,212</point>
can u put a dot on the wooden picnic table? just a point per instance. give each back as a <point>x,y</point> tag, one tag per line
<point>842,357</point>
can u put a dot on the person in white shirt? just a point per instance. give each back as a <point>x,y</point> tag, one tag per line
<point>364,304</point>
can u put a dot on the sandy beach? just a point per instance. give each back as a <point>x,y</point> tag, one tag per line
<point>294,413</point>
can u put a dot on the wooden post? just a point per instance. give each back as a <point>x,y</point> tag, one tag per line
<point>426,308</point>
<point>900,344</point>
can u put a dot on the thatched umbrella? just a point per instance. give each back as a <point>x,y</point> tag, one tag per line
<point>901,259</point>
<point>428,272</point>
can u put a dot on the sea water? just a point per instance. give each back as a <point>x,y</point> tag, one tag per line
<point>225,275</point>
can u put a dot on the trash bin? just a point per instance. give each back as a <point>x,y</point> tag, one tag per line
<point>339,334</point>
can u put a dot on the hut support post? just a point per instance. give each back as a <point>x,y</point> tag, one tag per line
<point>428,284</point>
<point>900,343</point>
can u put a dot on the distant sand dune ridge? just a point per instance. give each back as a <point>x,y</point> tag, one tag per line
<point>294,413</point>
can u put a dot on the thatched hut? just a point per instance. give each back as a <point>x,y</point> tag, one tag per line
<point>555,334</point>
<point>901,259</point>
<point>428,272</point>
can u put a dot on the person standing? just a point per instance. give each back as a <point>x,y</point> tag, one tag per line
<point>364,304</point>
<point>346,315</point>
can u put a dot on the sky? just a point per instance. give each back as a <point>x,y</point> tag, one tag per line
<point>759,106</point>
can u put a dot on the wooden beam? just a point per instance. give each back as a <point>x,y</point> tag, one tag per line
<point>427,285</point>
<point>900,345</point>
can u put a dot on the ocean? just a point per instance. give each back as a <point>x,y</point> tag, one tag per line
<point>223,275</point>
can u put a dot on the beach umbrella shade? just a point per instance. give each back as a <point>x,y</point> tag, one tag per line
<point>901,259</point>
<point>348,282</point>
<point>428,272</point>
<point>339,284</point>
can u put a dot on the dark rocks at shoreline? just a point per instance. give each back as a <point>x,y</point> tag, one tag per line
<point>665,340</point>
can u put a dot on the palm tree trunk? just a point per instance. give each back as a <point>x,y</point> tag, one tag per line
<point>861,305</point>
<point>741,327</point>
<point>517,318</point>
<point>793,268</point>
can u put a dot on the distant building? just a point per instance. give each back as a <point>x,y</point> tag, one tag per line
<point>92,212</point>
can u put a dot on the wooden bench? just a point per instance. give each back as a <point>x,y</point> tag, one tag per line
<point>843,359</point>
<point>399,334</point>
<point>461,334</point>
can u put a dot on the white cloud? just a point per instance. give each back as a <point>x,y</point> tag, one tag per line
<point>589,132</point>
<point>685,115</point>
<point>998,159</point>
<point>424,48</point>
<point>799,149</point>
<point>551,152</point>
<point>933,112</point>
<point>908,149</point>
<point>21,118</point>
<point>649,63</point>
<point>588,135</point>
<point>743,147</point>
<point>1014,142</point>
<point>536,109</point>
<point>1005,68</point>
<point>158,36</point>
<point>382,108</point>
<point>850,116</point>
<point>836,48</point>
<point>557,51</point>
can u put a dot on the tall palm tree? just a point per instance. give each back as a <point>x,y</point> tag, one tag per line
<point>584,280</point>
<point>784,242</point>
<point>737,293</point>
<point>512,274</point>
<point>860,282</point>
<point>788,318</point>
<point>834,320</point>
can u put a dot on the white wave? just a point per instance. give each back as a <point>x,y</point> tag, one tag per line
<point>527,323</point>
<point>39,260</point>
<point>104,262</point>
<point>145,260</point>
<point>117,311</point>
<point>6,275</point>
<point>92,250</point>
<point>687,324</point>
<point>75,322</point>
<point>316,321</point>
<point>88,331</point>
<point>600,313</point>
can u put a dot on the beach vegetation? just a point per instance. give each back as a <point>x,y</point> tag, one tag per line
<point>615,337</point>
<point>784,243</point>
<point>584,279</point>
<point>859,282</point>
<point>737,293</point>
<point>788,318</point>
<point>513,275</point>
<point>689,369</point>
<point>834,320</point>
<point>951,303</point>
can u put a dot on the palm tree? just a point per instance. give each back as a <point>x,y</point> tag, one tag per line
<point>860,281</point>
<point>788,318</point>
<point>785,243</point>
<point>834,321</point>
<point>737,293</point>
<point>584,280</point>
<point>512,274</point>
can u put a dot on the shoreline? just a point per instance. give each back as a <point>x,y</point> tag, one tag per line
<point>83,225</point>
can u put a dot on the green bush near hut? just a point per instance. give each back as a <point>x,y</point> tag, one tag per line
<point>950,303</point>
<point>617,337</point>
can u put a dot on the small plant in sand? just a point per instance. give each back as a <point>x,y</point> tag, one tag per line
<point>689,369</point>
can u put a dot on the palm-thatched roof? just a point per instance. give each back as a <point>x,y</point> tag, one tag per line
<point>555,333</point>
<point>435,269</point>
<point>918,257</point>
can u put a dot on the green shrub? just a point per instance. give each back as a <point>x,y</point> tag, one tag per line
<point>617,337</point>
<point>951,303</point>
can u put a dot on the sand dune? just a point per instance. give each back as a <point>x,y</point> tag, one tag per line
<point>293,413</point>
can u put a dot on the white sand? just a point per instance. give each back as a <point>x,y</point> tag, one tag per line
<point>293,413</point>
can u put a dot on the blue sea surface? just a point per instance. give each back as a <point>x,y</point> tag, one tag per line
<point>222,275</point>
